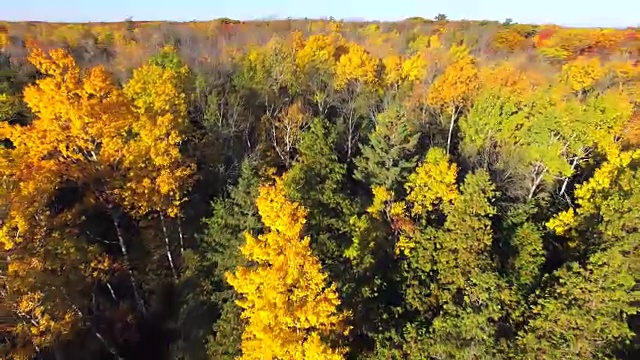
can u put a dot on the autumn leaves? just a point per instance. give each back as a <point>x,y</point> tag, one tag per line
<point>118,149</point>
<point>285,297</point>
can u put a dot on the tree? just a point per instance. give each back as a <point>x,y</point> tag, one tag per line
<point>356,66</point>
<point>316,59</point>
<point>466,287</point>
<point>517,126</point>
<point>356,80</point>
<point>582,74</point>
<point>157,92</point>
<point>433,183</point>
<point>583,308</point>
<point>318,181</point>
<point>206,297</point>
<point>388,157</point>
<point>73,142</point>
<point>453,91</point>
<point>287,130</point>
<point>111,152</point>
<point>285,297</point>
<point>441,17</point>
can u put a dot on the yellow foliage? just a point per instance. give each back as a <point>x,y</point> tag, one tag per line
<point>460,53</point>
<point>42,327</point>
<point>414,69</point>
<point>582,74</point>
<point>357,65</point>
<point>434,42</point>
<point>562,222</point>
<point>404,245</point>
<point>4,40</point>
<point>297,40</point>
<point>285,297</point>
<point>587,194</point>
<point>456,87</point>
<point>319,51</point>
<point>381,198</point>
<point>398,70</point>
<point>77,132</point>
<point>433,183</point>
<point>392,70</point>
<point>509,39</point>
<point>159,101</point>
<point>122,147</point>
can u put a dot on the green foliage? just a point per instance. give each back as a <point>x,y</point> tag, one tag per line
<point>389,156</point>
<point>209,318</point>
<point>318,181</point>
<point>518,240</point>
<point>167,58</point>
<point>583,314</point>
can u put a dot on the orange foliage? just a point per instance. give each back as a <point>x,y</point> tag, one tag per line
<point>509,40</point>
<point>455,88</point>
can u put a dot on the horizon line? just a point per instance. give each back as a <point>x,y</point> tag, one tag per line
<point>324,18</point>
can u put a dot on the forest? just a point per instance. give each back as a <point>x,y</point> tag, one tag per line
<point>319,189</point>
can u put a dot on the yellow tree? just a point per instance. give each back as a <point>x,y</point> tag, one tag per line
<point>76,138</point>
<point>120,148</point>
<point>356,77</point>
<point>4,38</point>
<point>452,91</point>
<point>315,61</point>
<point>582,74</point>
<point>286,300</point>
<point>398,71</point>
<point>356,65</point>
<point>77,132</point>
<point>157,173</point>
<point>432,183</point>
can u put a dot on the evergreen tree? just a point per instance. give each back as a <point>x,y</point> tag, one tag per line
<point>318,181</point>
<point>389,154</point>
<point>209,319</point>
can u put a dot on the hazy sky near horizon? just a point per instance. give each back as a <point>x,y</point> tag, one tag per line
<point>617,13</point>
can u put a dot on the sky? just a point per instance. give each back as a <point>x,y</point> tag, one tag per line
<point>617,13</point>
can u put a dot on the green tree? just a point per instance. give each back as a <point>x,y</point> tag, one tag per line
<point>209,319</point>
<point>466,286</point>
<point>582,309</point>
<point>390,153</point>
<point>317,180</point>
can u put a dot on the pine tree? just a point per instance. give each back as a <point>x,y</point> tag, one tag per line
<point>389,155</point>
<point>318,181</point>
<point>209,319</point>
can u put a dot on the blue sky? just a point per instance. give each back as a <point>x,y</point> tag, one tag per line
<point>617,13</point>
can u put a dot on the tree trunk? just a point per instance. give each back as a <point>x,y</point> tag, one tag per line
<point>113,293</point>
<point>566,180</point>
<point>181,236</point>
<point>168,247</point>
<point>108,346</point>
<point>453,119</point>
<point>350,138</point>
<point>536,180</point>
<point>125,254</point>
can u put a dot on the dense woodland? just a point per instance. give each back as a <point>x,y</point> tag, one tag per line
<point>319,189</point>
